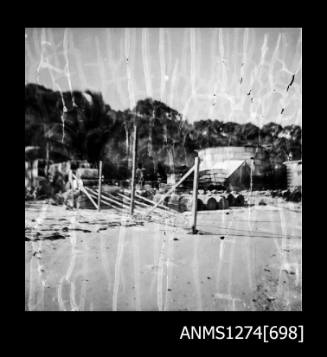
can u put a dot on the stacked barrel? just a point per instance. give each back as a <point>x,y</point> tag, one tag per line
<point>206,201</point>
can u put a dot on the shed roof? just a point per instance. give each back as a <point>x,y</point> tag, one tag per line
<point>293,162</point>
<point>31,152</point>
<point>221,170</point>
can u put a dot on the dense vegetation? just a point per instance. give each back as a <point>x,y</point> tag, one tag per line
<point>80,125</point>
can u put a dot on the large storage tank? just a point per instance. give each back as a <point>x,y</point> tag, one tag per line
<point>210,156</point>
<point>31,173</point>
<point>294,173</point>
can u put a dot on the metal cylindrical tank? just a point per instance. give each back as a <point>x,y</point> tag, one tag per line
<point>209,202</point>
<point>222,202</point>
<point>239,200</point>
<point>173,201</point>
<point>230,199</point>
<point>294,174</point>
<point>186,203</point>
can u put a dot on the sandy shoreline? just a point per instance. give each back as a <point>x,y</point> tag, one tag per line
<point>243,259</point>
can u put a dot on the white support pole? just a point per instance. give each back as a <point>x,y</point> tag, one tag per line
<point>133,169</point>
<point>195,194</point>
<point>99,184</point>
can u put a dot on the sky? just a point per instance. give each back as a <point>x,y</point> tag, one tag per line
<point>231,74</point>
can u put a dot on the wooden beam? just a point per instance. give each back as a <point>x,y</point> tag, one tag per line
<point>150,201</point>
<point>103,201</point>
<point>139,210</point>
<point>83,189</point>
<point>106,202</point>
<point>136,202</point>
<point>104,197</point>
<point>113,199</point>
<point>147,206</point>
<point>89,197</point>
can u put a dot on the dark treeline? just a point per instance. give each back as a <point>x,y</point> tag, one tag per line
<point>81,126</point>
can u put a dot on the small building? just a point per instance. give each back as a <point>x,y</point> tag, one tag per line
<point>253,155</point>
<point>232,174</point>
<point>233,167</point>
<point>31,173</point>
<point>31,166</point>
<point>294,173</point>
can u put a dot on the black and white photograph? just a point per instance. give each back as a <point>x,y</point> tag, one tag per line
<point>163,169</point>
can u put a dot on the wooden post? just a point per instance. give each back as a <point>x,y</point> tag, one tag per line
<point>70,178</point>
<point>35,172</point>
<point>99,184</point>
<point>47,158</point>
<point>195,194</point>
<point>133,168</point>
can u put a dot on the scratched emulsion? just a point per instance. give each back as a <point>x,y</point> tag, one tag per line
<point>236,75</point>
<point>242,259</point>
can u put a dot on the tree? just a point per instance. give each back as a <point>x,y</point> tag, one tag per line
<point>90,129</point>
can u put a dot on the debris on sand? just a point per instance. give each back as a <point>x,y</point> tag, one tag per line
<point>66,229</point>
<point>155,241</point>
<point>101,229</point>
<point>270,298</point>
<point>53,236</point>
<point>119,224</point>
<point>294,195</point>
<point>131,223</point>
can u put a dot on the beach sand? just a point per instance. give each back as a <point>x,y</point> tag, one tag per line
<point>244,259</point>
